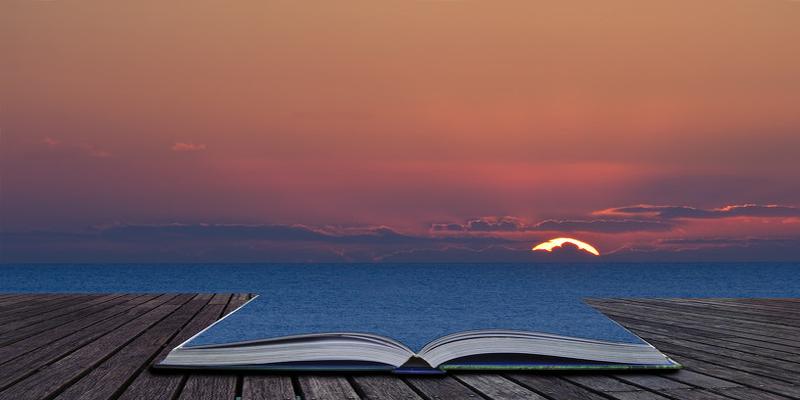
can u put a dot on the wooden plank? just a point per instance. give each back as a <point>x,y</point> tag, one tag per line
<point>554,387</point>
<point>748,308</point>
<point>152,385</point>
<point>638,395</point>
<point>267,387</point>
<point>36,308</point>
<point>31,362</point>
<point>110,376</point>
<point>383,387</point>
<point>755,368</point>
<point>734,325</point>
<point>743,393</point>
<point>712,334</point>
<point>20,300</point>
<point>652,382</point>
<point>719,311</point>
<point>326,387</point>
<point>742,377</point>
<point>33,342</point>
<point>51,323</point>
<point>224,381</point>
<point>441,387</point>
<point>11,300</point>
<point>209,387</point>
<point>695,379</point>
<point>496,386</point>
<point>99,354</point>
<point>56,376</point>
<point>69,309</point>
<point>621,313</point>
<point>601,383</point>
<point>656,329</point>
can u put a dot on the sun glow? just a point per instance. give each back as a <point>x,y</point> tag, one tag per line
<point>557,242</point>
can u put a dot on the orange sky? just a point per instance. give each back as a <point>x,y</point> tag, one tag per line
<point>397,113</point>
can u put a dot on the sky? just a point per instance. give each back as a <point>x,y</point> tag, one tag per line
<point>398,131</point>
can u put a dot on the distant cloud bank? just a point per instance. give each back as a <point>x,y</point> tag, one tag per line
<point>186,147</point>
<point>675,212</point>
<point>667,233</point>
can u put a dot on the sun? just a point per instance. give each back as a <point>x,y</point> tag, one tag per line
<point>557,242</point>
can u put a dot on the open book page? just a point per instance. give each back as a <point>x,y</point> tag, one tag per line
<point>414,304</point>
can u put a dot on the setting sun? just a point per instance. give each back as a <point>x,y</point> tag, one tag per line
<point>557,242</point>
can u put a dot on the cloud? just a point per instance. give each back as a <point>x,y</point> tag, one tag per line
<point>483,224</point>
<point>602,226</point>
<point>686,212</point>
<point>377,235</point>
<point>50,142</point>
<point>180,242</point>
<point>188,147</point>
<point>59,146</point>
<point>712,249</point>
<point>511,224</point>
<point>96,152</point>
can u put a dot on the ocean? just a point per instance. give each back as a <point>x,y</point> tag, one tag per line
<point>416,303</point>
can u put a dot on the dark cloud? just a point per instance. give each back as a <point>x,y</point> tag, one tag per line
<point>676,212</point>
<point>210,231</point>
<point>380,235</point>
<point>484,224</point>
<point>713,250</point>
<point>448,227</point>
<point>510,224</point>
<point>602,226</point>
<point>192,242</point>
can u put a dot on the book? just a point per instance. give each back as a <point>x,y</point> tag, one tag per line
<point>236,342</point>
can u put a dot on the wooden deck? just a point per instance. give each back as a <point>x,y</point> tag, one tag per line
<point>100,346</point>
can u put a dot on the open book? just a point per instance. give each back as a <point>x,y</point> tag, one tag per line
<point>231,343</point>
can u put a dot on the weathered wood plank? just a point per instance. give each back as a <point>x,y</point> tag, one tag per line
<point>208,387</point>
<point>444,387</point>
<point>58,375</point>
<point>601,383</point>
<point>384,387</point>
<point>71,309</point>
<point>29,363</point>
<point>695,379</point>
<point>10,351</point>
<point>743,393</point>
<point>55,303</point>
<point>734,325</point>
<point>110,376</point>
<point>696,309</point>
<point>554,387</point>
<point>326,387</point>
<point>652,382</point>
<point>267,387</point>
<point>153,385</point>
<point>101,348</point>
<point>225,381</point>
<point>718,329</point>
<point>55,322</point>
<point>655,329</point>
<point>496,386</point>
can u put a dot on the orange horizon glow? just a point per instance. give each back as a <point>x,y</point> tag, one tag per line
<point>557,242</point>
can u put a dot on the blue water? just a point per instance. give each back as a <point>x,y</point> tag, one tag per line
<point>415,303</point>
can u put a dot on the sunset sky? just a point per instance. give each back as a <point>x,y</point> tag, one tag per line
<point>398,130</point>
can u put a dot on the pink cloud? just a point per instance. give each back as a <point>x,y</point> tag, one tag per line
<point>50,142</point>
<point>188,147</point>
<point>96,152</point>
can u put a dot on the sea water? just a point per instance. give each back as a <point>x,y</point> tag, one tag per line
<point>415,303</point>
